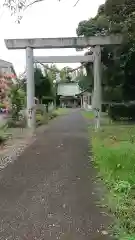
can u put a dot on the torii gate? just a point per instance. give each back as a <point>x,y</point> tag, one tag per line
<point>50,43</point>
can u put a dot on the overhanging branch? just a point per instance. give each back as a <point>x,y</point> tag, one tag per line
<point>32,3</point>
<point>76,3</point>
<point>17,7</point>
<point>37,1</point>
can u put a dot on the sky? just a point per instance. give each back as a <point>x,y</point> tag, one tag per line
<point>49,18</point>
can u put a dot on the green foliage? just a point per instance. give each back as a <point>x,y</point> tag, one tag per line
<point>88,114</point>
<point>122,186</point>
<point>42,117</point>
<point>17,97</point>
<point>43,86</point>
<point>40,120</point>
<point>3,139</point>
<point>114,154</point>
<point>43,81</point>
<point>51,72</point>
<point>39,112</point>
<point>53,115</point>
<point>93,27</point>
<point>122,112</point>
<point>2,105</point>
<point>65,74</point>
<point>61,111</point>
<point>115,16</point>
<point>14,123</point>
<point>85,83</point>
<point>105,108</point>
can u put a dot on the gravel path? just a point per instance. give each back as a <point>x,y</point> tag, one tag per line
<point>17,142</point>
<point>50,191</point>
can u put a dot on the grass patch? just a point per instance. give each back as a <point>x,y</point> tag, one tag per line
<point>114,156</point>
<point>44,119</point>
<point>61,111</point>
<point>40,120</point>
<point>88,114</point>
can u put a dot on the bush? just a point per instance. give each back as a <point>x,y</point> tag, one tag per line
<point>104,107</point>
<point>2,105</point>
<point>122,112</point>
<point>2,139</point>
<point>17,97</point>
<point>39,111</point>
<point>53,115</point>
<point>41,119</point>
<point>20,123</point>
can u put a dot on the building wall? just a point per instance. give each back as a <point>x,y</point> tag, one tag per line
<point>68,89</point>
<point>86,101</point>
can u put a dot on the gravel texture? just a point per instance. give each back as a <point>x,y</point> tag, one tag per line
<point>50,192</point>
<point>11,152</point>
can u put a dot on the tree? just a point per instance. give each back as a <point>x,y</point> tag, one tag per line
<point>17,98</point>
<point>43,83</point>
<point>65,74</point>
<point>43,86</point>
<point>84,83</point>
<point>115,16</point>
<point>85,80</point>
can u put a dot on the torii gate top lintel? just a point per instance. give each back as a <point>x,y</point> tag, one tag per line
<point>70,42</point>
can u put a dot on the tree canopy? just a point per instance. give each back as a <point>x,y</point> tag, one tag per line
<point>43,86</point>
<point>43,83</point>
<point>115,16</point>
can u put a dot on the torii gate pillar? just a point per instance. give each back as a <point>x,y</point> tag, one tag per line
<point>97,99</point>
<point>31,119</point>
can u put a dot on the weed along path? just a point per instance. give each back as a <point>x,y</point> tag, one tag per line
<point>50,191</point>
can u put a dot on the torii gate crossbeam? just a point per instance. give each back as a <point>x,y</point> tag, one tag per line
<point>69,42</point>
<point>64,59</point>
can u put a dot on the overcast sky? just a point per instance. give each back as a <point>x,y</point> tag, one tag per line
<point>46,19</point>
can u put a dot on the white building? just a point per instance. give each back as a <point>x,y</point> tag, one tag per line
<point>7,70</point>
<point>68,89</point>
<point>68,94</point>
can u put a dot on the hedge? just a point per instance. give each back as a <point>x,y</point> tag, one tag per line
<point>122,112</point>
